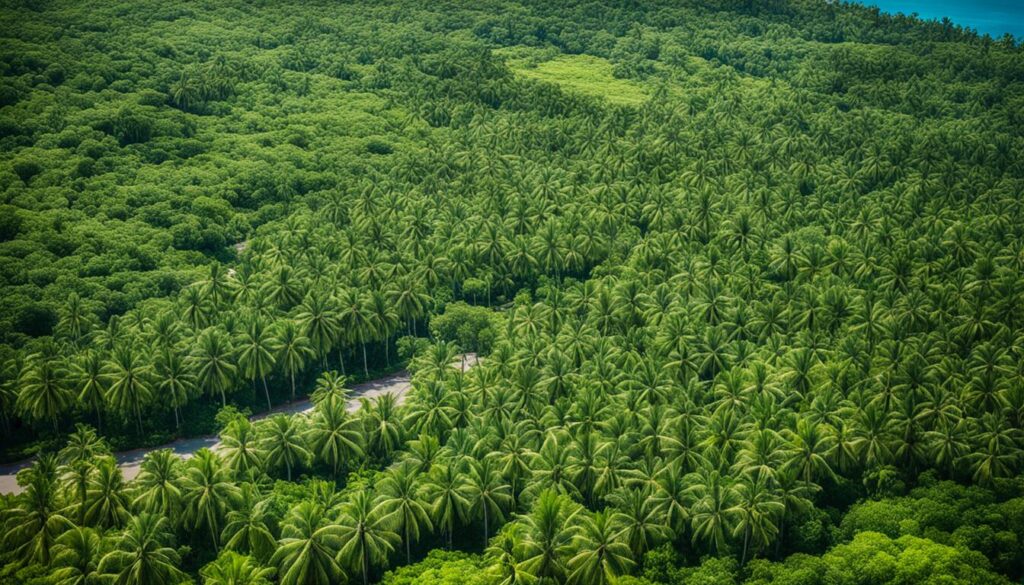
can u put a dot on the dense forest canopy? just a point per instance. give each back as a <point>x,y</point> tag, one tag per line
<point>744,279</point>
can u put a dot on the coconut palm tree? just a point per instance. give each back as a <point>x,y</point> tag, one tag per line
<point>601,552</point>
<point>90,378</point>
<point>365,533</point>
<point>35,521</point>
<point>76,556</point>
<point>548,537</point>
<point>144,554</point>
<point>335,437</point>
<point>401,491</point>
<point>241,448</point>
<point>295,350</point>
<point>211,359</point>
<point>44,393</point>
<point>106,502</point>
<point>283,442</point>
<point>156,489</point>
<point>257,349</point>
<point>174,380</point>
<point>246,529</point>
<point>308,546</point>
<point>488,493</point>
<point>446,491</point>
<point>208,494</point>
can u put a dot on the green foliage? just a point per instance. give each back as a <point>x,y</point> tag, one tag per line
<point>745,277</point>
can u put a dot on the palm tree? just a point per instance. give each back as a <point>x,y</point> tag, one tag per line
<point>365,533</point>
<point>241,448</point>
<point>548,541</point>
<point>318,316</point>
<point>488,493</point>
<point>601,552</point>
<point>130,387</point>
<point>35,521</point>
<point>231,568</point>
<point>144,554</point>
<point>106,503</point>
<point>207,494</point>
<point>78,459</point>
<point>295,350</point>
<point>283,441</point>
<point>357,320</point>
<point>713,511</point>
<point>308,546</point>
<point>212,361</point>
<point>257,348</point>
<point>809,448</point>
<point>44,394</point>
<point>757,508</point>
<point>90,377</point>
<point>383,424</point>
<point>446,491</point>
<point>335,437</point>
<point>156,489</point>
<point>642,526</point>
<point>76,556</point>
<point>175,381</point>
<point>247,530</point>
<point>400,496</point>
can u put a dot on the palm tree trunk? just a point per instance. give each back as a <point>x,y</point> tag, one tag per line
<point>293,386</point>
<point>341,360</point>
<point>746,541</point>
<point>267,392</point>
<point>366,371</point>
<point>138,417</point>
<point>177,421</point>
<point>408,554</point>
<point>288,468</point>
<point>223,398</point>
<point>485,524</point>
<point>99,420</point>
<point>366,565</point>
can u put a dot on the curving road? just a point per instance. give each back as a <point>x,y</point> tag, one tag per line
<point>129,461</point>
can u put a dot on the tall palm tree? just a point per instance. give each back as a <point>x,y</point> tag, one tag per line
<point>446,491</point>
<point>601,552</point>
<point>247,530</point>
<point>401,491</point>
<point>758,507</point>
<point>365,533</point>
<point>335,437</point>
<point>642,526</point>
<point>130,386</point>
<point>156,489</point>
<point>106,503</point>
<point>144,554</point>
<point>295,350</point>
<point>284,443</point>
<point>713,512</point>
<point>241,448</point>
<point>308,546</point>
<point>208,493</point>
<point>257,347</point>
<point>78,459</point>
<point>174,381</point>
<point>44,394</point>
<point>318,316</point>
<point>383,423</point>
<point>548,541</point>
<point>357,320</point>
<point>76,556</point>
<point>489,494</point>
<point>34,523</point>
<point>90,377</point>
<point>211,358</point>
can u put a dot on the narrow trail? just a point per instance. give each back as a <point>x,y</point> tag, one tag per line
<point>398,384</point>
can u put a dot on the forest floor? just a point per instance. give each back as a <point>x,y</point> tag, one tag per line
<point>130,462</point>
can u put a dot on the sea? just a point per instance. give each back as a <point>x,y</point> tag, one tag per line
<point>995,17</point>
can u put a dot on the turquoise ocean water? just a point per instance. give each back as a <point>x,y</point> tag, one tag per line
<point>994,17</point>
